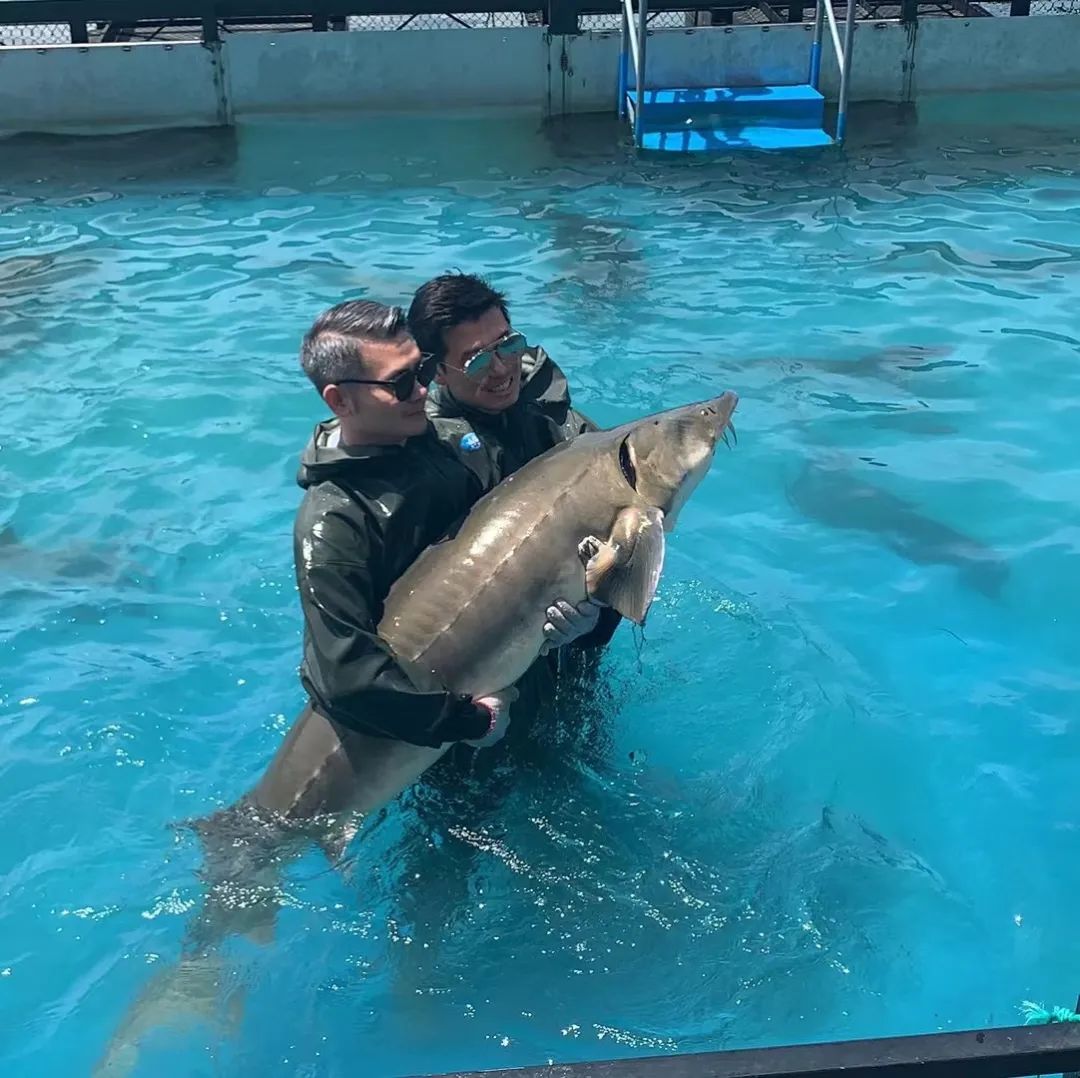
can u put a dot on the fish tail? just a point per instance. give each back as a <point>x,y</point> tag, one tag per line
<point>241,871</point>
<point>176,998</point>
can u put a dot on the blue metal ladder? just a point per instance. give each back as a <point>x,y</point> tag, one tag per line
<point>702,119</point>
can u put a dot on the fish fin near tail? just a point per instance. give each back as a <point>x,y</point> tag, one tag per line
<point>623,571</point>
<point>241,856</point>
<point>186,995</point>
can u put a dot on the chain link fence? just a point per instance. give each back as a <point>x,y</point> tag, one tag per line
<point>673,20</point>
<point>496,20</point>
<point>57,33</point>
<point>1038,7</point>
<point>750,14</point>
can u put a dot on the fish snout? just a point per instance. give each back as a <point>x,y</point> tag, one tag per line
<point>722,409</point>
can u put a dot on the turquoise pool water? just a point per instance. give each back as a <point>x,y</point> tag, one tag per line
<point>830,792</point>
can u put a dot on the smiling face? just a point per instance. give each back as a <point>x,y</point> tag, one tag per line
<point>498,385</point>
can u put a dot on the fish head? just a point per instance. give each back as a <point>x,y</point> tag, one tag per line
<point>664,456</point>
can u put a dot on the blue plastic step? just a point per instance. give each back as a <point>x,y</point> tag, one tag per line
<point>790,106</point>
<point>753,137</point>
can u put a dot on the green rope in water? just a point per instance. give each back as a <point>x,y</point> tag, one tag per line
<point>1036,1015</point>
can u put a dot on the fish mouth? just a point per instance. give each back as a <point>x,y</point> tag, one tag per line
<point>724,408</point>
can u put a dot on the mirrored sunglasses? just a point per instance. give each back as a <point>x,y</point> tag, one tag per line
<point>511,346</point>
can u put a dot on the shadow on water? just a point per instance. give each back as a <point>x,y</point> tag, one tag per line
<point>75,584</point>
<point>589,137</point>
<point>829,491</point>
<point>25,275</point>
<point>841,840</point>
<point>203,155</point>
<point>601,265</point>
<point>899,366</point>
<point>29,563</point>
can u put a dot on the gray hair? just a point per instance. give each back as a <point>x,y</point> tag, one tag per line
<point>332,348</point>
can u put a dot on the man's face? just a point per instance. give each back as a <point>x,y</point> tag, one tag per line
<point>497,386</point>
<point>373,412</point>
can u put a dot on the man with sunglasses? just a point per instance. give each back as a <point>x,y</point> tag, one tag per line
<point>498,403</point>
<point>379,488</point>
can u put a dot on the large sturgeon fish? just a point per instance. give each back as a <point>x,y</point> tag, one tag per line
<point>587,518</point>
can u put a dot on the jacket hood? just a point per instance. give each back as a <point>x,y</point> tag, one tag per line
<point>543,381</point>
<point>325,458</point>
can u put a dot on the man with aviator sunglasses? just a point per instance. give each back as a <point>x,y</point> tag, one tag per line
<point>497,400</point>
<point>379,488</point>
<point>497,403</point>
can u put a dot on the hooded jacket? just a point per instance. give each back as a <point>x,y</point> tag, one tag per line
<point>495,446</point>
<point>544,384</point>
<point>366,515</point>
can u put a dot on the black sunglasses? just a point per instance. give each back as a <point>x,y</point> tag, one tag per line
<point>402,384</point>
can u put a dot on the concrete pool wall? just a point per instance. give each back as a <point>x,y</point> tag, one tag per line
<point>160,84</point>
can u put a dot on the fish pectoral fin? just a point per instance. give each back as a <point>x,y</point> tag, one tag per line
<point>624,571</point>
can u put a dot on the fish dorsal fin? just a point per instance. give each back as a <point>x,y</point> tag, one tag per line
<point>623,571</point>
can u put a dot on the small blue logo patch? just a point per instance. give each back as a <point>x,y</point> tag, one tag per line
<point>470,443</point>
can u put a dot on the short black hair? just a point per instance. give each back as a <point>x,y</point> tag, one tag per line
<point>332,348</point>
<point>445,302</point>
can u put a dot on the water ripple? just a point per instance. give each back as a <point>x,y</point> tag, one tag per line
<point>811,802</point>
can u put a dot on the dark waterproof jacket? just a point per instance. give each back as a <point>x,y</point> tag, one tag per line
<point>366,515</point>
<point>495,446</point>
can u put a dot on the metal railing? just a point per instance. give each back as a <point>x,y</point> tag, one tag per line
<point>1009,1052</point>
<point>843,55</point>
<point>92,21</point>
<point>632,47</point>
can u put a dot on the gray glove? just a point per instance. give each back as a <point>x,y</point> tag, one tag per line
<point>566,622</point>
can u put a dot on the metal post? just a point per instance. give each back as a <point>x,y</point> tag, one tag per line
<point>845,71</point>
<point>624,48</point>
<point>1074,1074</point>
<point>643,14</point>
<point>562,17</point>
<point>210,33</point>
<point>815,48</point>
